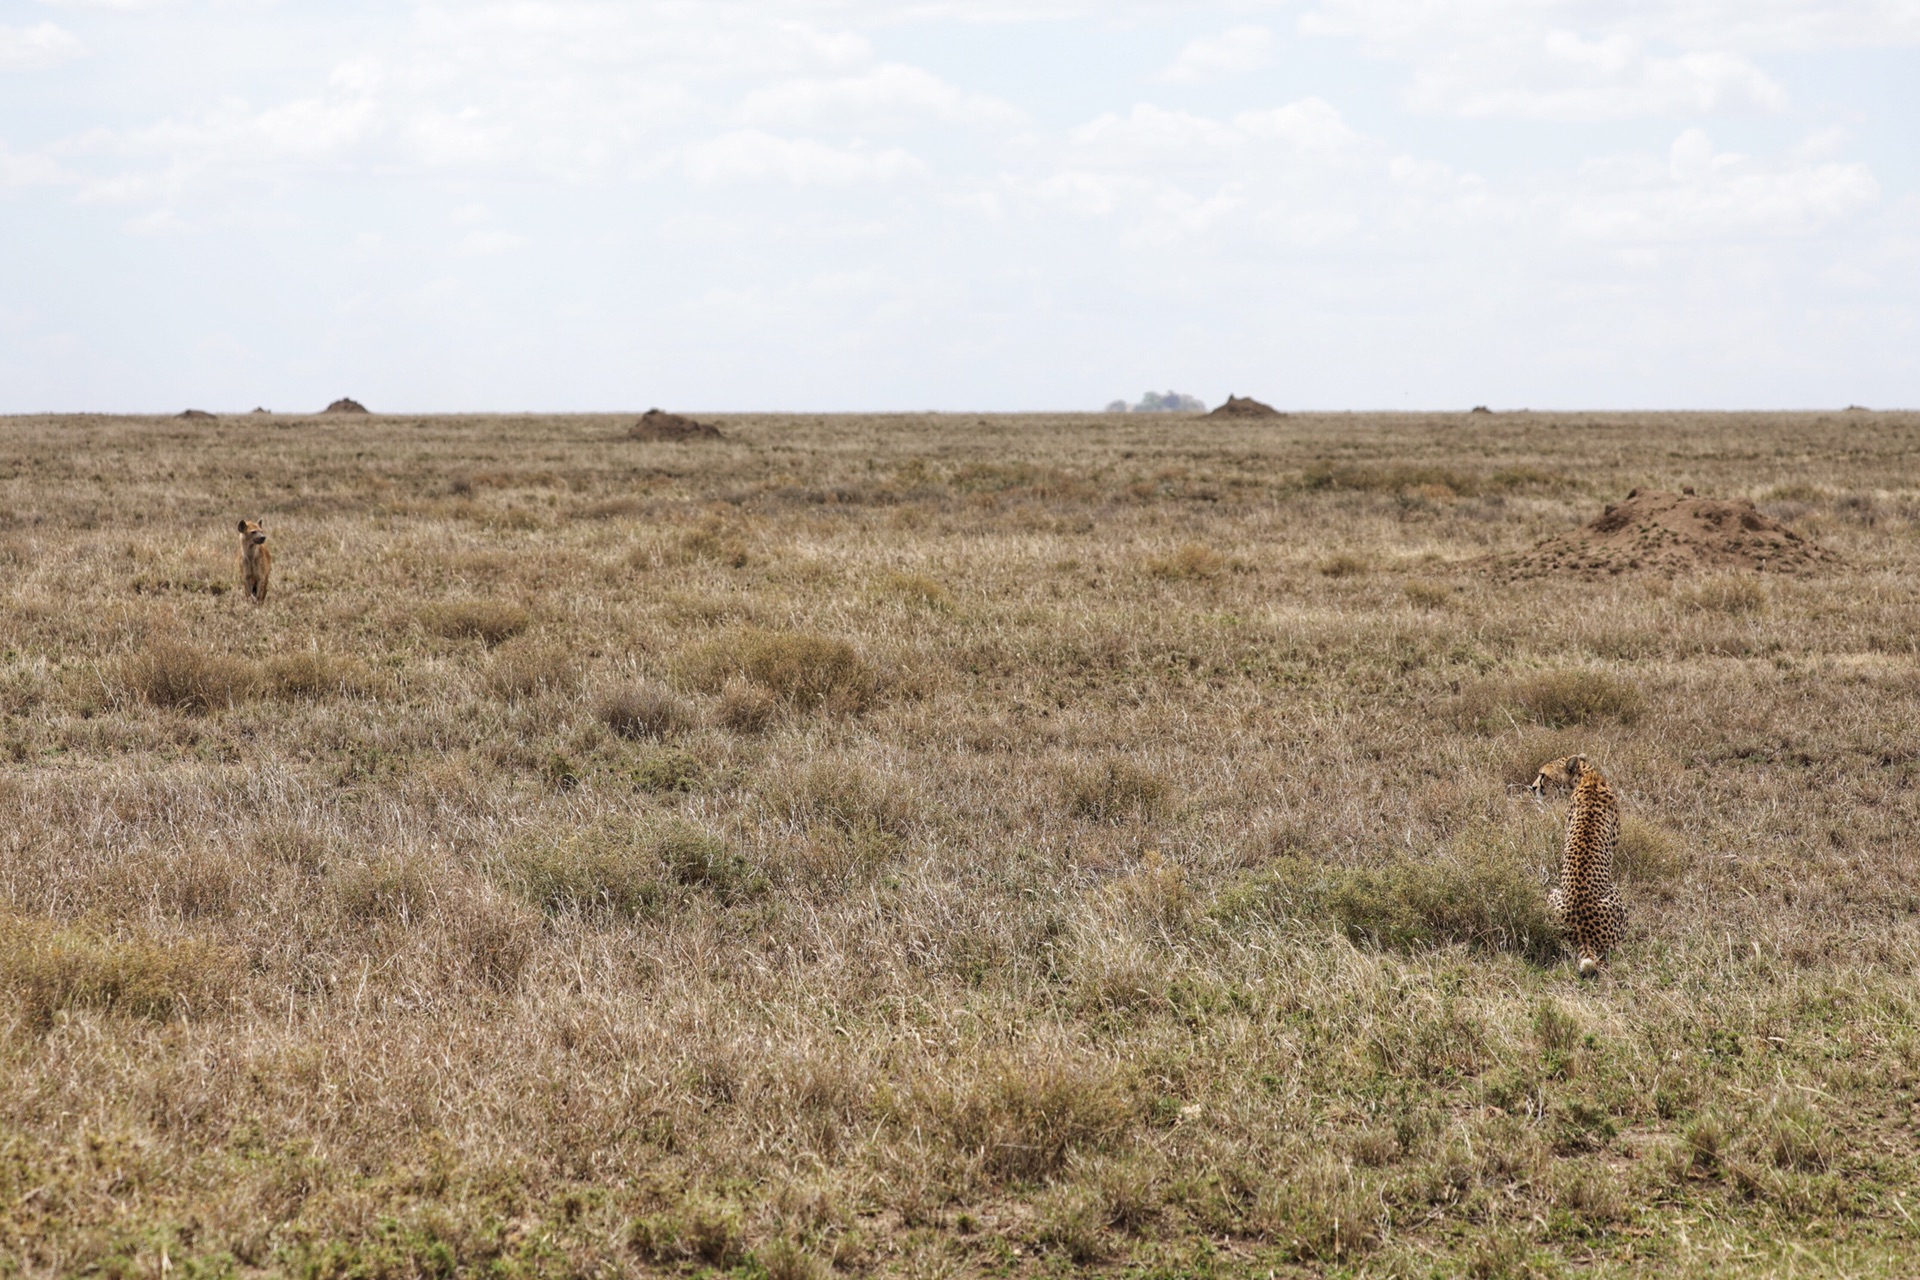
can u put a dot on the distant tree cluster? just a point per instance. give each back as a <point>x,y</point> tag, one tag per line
<point>1160,402</point>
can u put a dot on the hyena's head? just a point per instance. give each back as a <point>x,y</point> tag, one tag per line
<point>251,534</point>
<point>1556,775</point>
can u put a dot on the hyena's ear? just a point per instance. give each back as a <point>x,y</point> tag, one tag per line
<point>243,526</point>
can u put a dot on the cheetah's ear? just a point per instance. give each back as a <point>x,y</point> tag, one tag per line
<point>1576,765</point>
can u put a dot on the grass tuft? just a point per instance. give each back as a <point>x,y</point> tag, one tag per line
<point>804,669</point>
<point>1553,699</point>
<point>186,677</point>
<point>50,970</point>
<point>489,621</point>
<point>645,711</point>
<point>1116,790</point>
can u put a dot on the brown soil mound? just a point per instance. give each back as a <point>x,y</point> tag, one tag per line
<point>345,406</point>
<point>1672,533</point>
<point>657,424</point>
<point>195,415</point>
<point>1245,407</point>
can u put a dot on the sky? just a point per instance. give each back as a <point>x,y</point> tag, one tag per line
<point>845,205</point>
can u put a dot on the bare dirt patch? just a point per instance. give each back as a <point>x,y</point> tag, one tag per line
<point>1655,531</point>
<point>658,424</point>
<point>1245,407</point>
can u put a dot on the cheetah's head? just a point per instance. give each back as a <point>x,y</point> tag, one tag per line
<point>1559,774</point>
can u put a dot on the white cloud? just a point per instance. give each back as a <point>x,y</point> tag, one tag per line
<point>31,169</point>
<point>1703,194</point>
<point>752,155</point>
<point>879,98</point>
<point>486,243</point>
<point>1231,53</point>
<point>1586,82</point>
<point>41,45</point>
<point>1311,123</point>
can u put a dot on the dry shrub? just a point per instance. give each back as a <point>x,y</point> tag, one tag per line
<point>624,870</point>
<point>48,970</point>
<point>837,793</point>
<point>1555,699</point>
<point>714,539</point>
<point>1345,564</point>
<point>1789,1134</point>
<point>668,770</point>
<point>522,670</point>
<point>698,1231</point>
<point>645,710</point>
<point>1481,893</point>
<point>309,673</point>
<point>745,707</point>
<point>489,621</point>
<point>785,1260</point>
<point>1020,1121</point>
<point>1072,1221</point>
<point>1648,853</point>
<point>602,871</point>
<point>493,938</point>
<point>1115,791</point>
<point>1429,595</point>
<point>401,888</point>
<point>1318,1211</point>
<point>698,859</point>
<point>917,590</point>
<point>801,668</point>
<point>184,677</point>
<point>1726,593</point>
<point>1189,561</point>
<point>1156,890</point>
<point>305,850</point>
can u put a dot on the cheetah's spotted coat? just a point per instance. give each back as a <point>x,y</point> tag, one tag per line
<point>1585,902</point>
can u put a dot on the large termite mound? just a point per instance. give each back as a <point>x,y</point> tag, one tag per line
<point>1654,531</point>
<point>1245,407</point>
<point>657,424</point>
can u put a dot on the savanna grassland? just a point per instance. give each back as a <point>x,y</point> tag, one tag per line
<point>946,846</point>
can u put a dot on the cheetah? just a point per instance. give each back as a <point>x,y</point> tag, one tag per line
<point>256,562</point>
<point>1585,902</point>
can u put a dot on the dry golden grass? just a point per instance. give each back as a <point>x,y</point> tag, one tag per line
<point>943,846</point>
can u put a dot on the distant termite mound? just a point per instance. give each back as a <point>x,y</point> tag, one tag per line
<point>1245,407</point>
<point>345,405</point>
<point>194,415</point>
<point>658,424</point>
<point>1672,533</point>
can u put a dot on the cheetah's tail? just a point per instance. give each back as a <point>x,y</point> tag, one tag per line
<point>1589,967</point>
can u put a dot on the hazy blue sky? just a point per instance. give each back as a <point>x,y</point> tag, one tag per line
<point>855,204</point>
